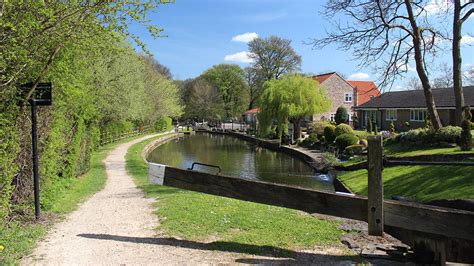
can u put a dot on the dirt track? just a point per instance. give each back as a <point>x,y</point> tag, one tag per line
<point>115,226</point>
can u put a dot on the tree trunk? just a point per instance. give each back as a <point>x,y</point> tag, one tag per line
<point>457,78</point>
<point>419,60</point>
<point>297,129</point>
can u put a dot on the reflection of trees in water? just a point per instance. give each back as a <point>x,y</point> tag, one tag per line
<point>237,158</point>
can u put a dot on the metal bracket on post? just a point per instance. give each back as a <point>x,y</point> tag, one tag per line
<point>375,186</point>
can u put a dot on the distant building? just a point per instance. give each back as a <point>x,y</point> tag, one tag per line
<point>409,107</point>
<point>344,93</point>
<point>250,116</point>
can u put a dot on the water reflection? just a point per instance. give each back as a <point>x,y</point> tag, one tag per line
<point>240,159</point>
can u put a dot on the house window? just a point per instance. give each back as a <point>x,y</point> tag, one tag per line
<point>348,97</point>
<point>333,117</point>
<point>391,115</point>
<point>417,115</point>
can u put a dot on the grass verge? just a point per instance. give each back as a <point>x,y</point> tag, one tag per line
<point>424,183</point>
<point>403,150</point>
<point>19,237</point>
<point>234,225</point>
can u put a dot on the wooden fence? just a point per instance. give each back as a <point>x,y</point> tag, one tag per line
<point>110,137</point>
<point>436,234</point>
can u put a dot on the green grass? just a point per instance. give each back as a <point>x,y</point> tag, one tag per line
<point>402,150</point>
<point>362,134</point>
<point>244,226</point>
<point>424,183</point>
<point>19,237</point>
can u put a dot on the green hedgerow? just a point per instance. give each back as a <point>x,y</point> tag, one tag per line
<point>343,128</point>
<point>330,133</point>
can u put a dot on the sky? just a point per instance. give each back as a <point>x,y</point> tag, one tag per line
<point>203,33</point>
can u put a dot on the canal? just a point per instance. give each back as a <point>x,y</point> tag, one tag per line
<point>239,158</point>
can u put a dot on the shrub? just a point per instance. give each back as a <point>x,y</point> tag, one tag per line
<point>346,140</point>
<point>450,134</point>
<point>163,124</point>
<point>354,149</point>
<point>341,115</point>
<point>310,140</point>
<point>318,127</point>
<point>391,128</point>
<point>343,128</point>
<point>329,133</point>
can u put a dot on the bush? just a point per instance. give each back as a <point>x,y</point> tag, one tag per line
<point>310,140</point>
<point>330,133</point>
<point>450,134</point>
<point>341,115</point>
<point>391,128</point>
<point>318,127</point>
<point>163,124</point>
<point>354,149</point>
<point>343,128</point>
<point>346,140</point>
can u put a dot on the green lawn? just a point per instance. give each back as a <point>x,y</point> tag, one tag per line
<point>362,134</point>
<point>401,150</point>
<point>244,226</point>
<point>425,183</point>
<point>19,237</point>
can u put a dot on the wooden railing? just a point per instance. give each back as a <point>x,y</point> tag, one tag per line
<point>109,137</point>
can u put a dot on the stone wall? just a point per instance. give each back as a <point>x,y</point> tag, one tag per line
<point>336,88</point>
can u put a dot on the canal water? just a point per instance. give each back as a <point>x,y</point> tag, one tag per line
<point>239,158</point>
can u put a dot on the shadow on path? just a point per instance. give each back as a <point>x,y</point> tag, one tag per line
<point>287,255</point>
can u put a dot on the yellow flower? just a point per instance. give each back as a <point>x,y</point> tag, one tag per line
<point>1,248</point>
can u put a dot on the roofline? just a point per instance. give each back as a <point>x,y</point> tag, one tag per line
<point>400,108</point>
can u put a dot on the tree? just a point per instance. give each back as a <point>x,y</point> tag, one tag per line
<point>273,57</point>
<point>230,82</point>
<point>255,81</point>
<point>341,115</point>
<point>204,101</point>
<point>461,13</point>
<point>159,68</point>
<point>290,99</point>
<point>445,79</point>
<point>387,34</point>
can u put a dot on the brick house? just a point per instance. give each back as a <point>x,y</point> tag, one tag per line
<point>409,107</point>
<point>344,93</point>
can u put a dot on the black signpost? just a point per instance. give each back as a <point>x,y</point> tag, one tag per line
<point>41,96</point>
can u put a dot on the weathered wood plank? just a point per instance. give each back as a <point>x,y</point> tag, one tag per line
<point>375,186</point>
<point>411,216</point>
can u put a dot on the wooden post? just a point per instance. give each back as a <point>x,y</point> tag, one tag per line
<point>375,186</point>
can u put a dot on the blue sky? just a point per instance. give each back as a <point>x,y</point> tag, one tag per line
<point>199,35</point>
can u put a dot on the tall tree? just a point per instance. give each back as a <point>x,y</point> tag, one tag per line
<point>230,81</point>
<point>274,57</point>
<point>203,101</point>
<point>461,13</point>
<point>255,81</point>
<point>387,34</point>
<point>290,99</point>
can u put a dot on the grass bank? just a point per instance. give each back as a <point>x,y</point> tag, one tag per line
<point>231,224</point>
<point>20,236</point>
<point>424,183</point>
<point>403,150</point>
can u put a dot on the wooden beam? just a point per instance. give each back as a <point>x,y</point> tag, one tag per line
<point>440,221</point>
<point>375,186</point>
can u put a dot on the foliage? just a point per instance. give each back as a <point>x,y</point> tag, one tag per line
<point>343,128</point>
<point>255,81</point>
<point>203,101</point>
<point>361,134</point>
<point>274,57</point>
<point>230,83</point>
<point>355,122</point>
<point>163,124</point>
<point>100,83</point>
<point>345,140</point>
<point>466,135</point>
<point>310,140</point>
<point>291,97</point>
<point>341,115</point>
<point>450,134</point>
<point>391,127</point>
<point>318,127</point>
<point>330,133</point>
<point>354,149</point>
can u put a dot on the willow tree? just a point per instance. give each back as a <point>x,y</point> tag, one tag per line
<point>290,99</point>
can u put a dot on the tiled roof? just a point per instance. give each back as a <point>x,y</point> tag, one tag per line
<point>415,99</point>
<point>365,89</point>
<point>321,78</point>
<point>252,111</point>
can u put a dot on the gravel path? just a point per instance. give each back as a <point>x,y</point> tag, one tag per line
<point>115,226</point>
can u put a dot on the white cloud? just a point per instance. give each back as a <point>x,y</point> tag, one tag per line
<point>436,7</point>
<point>467,40</point>
<point>246,37</point>
<point>242,57</point>
<point>359,75</point>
